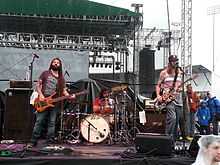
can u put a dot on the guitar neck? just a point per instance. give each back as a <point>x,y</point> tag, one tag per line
<point>60,98</point>
<point>65,97</point>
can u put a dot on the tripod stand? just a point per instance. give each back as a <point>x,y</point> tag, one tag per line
<point>74,135</point>
<point>121,133</point>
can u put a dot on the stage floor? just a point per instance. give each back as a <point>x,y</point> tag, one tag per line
<point>66,154</point>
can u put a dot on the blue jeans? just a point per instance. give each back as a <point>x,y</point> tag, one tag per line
<point>174,118</point>
<point>48,115</point>
<point>191,123</point>
<point>216,119</point>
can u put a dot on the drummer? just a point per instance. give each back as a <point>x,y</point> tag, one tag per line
<point>103,103</point>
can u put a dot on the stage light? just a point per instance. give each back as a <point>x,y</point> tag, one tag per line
<point>105,49</point>
<point>118,65</point>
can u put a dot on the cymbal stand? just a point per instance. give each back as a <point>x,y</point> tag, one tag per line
<point>61,131</point>
<point>115,118</point>
<point>75,133</point>
<point>122,132</point>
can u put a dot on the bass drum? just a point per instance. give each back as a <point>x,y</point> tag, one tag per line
<point>94,128</point>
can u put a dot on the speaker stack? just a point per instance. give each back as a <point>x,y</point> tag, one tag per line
<point>18,116</point>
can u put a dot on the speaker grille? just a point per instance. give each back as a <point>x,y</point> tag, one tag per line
<point>18,117</point>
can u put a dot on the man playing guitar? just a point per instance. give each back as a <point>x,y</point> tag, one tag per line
<point>50,81</point>
<point>168,92</point>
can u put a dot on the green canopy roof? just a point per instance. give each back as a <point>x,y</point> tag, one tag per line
<point>61,7</point>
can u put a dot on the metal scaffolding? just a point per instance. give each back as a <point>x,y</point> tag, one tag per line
<point>157,39</point>
<point>59,41</point>
<point>186,37</point>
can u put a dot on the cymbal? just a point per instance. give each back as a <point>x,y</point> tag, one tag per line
<point>119,88</point>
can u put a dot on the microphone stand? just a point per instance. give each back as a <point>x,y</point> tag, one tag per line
<point>30,78</point>
<point>89,126</point>
<point>184,108</point>
<point>31,70</point>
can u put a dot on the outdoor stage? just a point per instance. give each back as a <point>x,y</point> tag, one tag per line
<point>67,154</point>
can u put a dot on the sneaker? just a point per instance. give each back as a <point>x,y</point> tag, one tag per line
<point>189,138</point>
<point>31,145</point>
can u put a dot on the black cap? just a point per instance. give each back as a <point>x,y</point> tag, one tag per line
<point>173,58</point>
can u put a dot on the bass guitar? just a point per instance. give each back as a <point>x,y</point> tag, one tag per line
<point>41,105</point>
<point>169,95</point>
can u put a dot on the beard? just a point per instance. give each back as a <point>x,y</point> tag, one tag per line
<point>55,68</point>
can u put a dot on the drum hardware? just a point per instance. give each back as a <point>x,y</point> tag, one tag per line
<point>89,127</point>
<point>61,131</point>
<point>74,135</point>
<point>119,88</point>
<point>93,128</point>
<point>121,133</point>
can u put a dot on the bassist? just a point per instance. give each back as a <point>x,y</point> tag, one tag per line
<point>50,81</point>
<point>168,93</point>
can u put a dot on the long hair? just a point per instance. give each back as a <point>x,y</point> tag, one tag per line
<point>61,81</point>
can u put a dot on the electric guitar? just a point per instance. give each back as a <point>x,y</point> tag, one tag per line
<point>43,104</point>
<point>169,95</point>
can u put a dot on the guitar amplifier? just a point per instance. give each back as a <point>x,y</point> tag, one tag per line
<point>20,84</point>
<point>155,122</point>
<point>18,116</point>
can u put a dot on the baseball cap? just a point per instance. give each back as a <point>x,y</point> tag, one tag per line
<point>173,58</point>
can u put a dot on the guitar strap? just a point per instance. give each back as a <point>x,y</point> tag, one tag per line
<point>174,80</point>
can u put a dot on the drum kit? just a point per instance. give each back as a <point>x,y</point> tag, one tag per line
<point>109,124</point>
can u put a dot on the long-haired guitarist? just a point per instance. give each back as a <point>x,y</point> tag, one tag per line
<point>168,93</point>
<point>50,81</point>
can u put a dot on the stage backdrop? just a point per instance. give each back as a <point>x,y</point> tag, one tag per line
<point>15,62</point>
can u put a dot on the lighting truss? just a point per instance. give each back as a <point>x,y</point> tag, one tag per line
<point>55,41</point>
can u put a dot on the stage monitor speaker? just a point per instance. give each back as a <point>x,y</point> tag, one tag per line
<point>2,109</point>
<point>194,146</point>
<point>18,116</point>
<point>153,144</point>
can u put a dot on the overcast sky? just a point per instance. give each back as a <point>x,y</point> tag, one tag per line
<point>155,15</point>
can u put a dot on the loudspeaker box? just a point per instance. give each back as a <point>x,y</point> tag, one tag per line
<point>18,117</point>
<point>153,144</point>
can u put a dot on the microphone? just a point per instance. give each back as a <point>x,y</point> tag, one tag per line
<point>35,55</point>
<point>177,64</point>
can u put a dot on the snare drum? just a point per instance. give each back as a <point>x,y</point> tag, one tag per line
<point>94,128</point>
